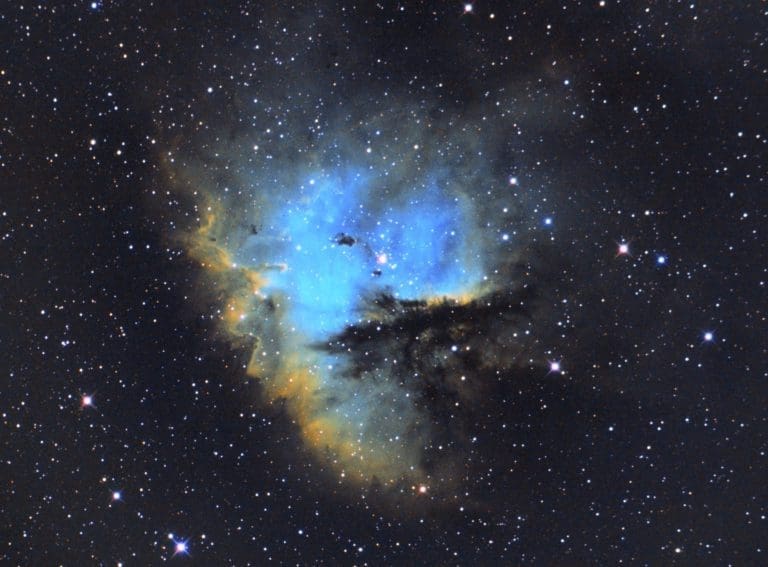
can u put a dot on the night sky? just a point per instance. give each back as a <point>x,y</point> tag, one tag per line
<point>384,283</point>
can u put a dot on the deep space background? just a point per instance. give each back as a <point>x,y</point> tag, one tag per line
<point>383,283</point>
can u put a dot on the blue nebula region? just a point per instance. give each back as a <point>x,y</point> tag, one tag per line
<point>340,240</point>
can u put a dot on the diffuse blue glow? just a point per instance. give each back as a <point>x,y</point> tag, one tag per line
<point>412,248</point>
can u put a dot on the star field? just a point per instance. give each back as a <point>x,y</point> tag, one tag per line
<point>457,283</point>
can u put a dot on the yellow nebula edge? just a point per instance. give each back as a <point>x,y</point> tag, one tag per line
<point>291,378</point>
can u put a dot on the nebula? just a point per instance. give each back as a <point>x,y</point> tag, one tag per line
<point>365,272</point>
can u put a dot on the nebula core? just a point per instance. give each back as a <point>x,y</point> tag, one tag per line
<point>362,269</point>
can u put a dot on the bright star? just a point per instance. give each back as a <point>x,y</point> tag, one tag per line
<point>548,221</point>
<point>86,401</point>
<point>180,547</point>
<point>423,489</point>
<point>554,367</point>
<point>623,249</point>
<point>661,260</point>
<point>709,336</point>
<point>116,495</point>
<point>468,8</point>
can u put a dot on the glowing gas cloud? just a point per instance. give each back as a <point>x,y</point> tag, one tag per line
<point>314,258</point>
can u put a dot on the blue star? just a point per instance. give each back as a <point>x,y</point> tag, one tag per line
<point>180,546</point>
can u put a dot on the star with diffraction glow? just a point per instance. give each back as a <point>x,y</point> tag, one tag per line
<point>180,546</point>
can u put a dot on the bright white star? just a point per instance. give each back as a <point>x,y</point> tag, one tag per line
<point>180,547</point>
